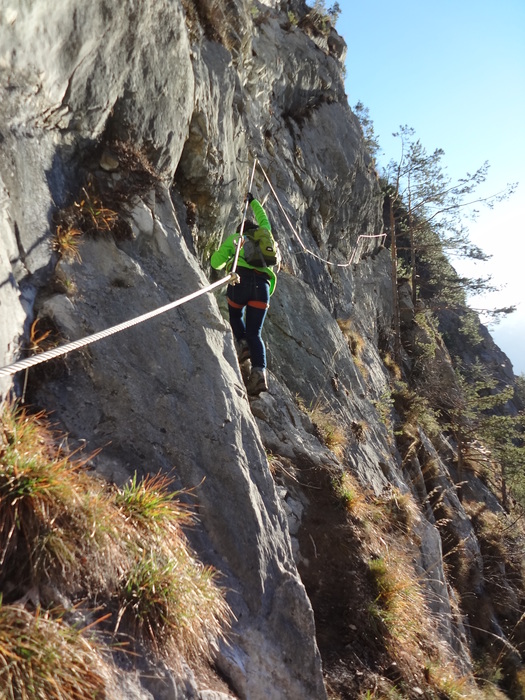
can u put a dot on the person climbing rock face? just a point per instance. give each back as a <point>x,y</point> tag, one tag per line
<point>249,294</point>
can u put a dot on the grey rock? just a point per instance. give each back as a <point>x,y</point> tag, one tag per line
<point>168,395</point>
<point>152,370</point>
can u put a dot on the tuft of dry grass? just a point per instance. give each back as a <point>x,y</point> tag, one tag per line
<point>98,207</point>
<point>356,343</point>
<point>67,242</point>
<point>398,610</point>
<point>400,603</point>
<point>62,527</point>
<point>44,658</point>
<point>150,504</point>
<point>401,509</point>
<point>42,336</point>
<point>95,216</point>
<point>53,517</point>
<point>329,428</point>
<point>172,602</point>
<point>351,494</point>
<point>327,425</point>
<point>448,682</point>
<point>354,339</point>
<point>167,596</point>
<point>393,368</point>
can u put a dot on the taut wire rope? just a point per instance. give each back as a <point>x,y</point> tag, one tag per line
<point>241,230</point>
<point>38,359</point>
<point>77,344</point>
<point>307,250</point>
<point>53,353</point>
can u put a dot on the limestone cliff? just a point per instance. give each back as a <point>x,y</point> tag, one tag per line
<point>156,110</point>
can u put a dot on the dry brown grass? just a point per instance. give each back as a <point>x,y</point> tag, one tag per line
<point>97,209</point>
<point>167,596</point>
<point>218,21</point>
<point>94,215</point>
<point>351,494</point>
<point>62,528</point>
<point>43,657</point>
<point>42,336</point>
<point>398,611</point>
<point>356,343</point>
<point>329,428</point>
<point>67,242</point>
<point>53,517</point>
<point>392,366</point>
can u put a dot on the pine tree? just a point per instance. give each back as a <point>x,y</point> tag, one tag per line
<point>480,416</point>
<point>434,206</point>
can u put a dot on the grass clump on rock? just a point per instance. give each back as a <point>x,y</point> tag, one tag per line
<point>167,596</point>
<point>66,535</point>
<point>42,658</point>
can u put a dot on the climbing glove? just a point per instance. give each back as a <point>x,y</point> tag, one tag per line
<point>234,279</point>
<point>250,197</point>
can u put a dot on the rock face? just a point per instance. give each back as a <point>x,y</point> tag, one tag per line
<point>202,89</point>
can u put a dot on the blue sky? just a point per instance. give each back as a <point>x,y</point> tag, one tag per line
<point>455,72</point>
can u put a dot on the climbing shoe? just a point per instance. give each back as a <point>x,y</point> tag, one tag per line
<point>257,382</point>
<point>243,350</point>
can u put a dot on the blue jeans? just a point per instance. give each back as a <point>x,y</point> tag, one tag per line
<point>248,304</point>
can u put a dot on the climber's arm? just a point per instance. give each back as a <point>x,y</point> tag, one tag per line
<point>224,253</point>
<point>260,215</point>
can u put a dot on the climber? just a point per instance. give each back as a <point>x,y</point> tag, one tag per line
<point>249,295</point>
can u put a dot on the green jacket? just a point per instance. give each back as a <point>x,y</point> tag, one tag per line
<point>226,253</point>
